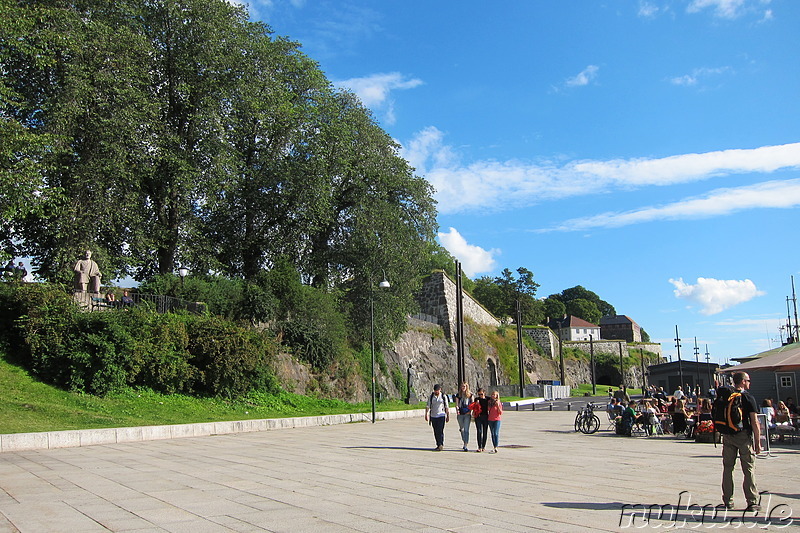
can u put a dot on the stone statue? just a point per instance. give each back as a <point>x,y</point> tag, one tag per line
<point>411,376</point>
<point>87,273</point>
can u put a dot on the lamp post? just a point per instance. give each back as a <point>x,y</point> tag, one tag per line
<point>183,272</point>
<point>383,285</point>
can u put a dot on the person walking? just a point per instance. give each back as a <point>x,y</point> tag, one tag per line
<point>495,414</point>
<point>463,400</point>
<point>480,409</point>
<point>437,413</point>
<point>745,445</point>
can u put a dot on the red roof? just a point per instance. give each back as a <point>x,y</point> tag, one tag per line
<point>575,322</point>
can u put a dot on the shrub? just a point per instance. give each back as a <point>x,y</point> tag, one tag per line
<point>40,337</point>
<point>160,354</point>
<point>316,330</point>
<point>104,352</point>
<point>231,361</point>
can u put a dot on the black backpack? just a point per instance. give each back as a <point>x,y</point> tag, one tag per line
<point>726,412</point>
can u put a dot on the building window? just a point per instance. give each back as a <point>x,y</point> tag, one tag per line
<point>786,381</point>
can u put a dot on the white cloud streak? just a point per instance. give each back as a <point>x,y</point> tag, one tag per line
<point>584,77</point>
<point>374,91</point>
<point>715,295</point>
<point>722,8</point>
<point>771,194</point>
<point>486,185</point>
<point>474,259</point>
<point>759,325</point>
<point>729,9</point>
<point>648,9</point>
<point>698,75</point>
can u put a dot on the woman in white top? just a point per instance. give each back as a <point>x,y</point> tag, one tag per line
<point>463,400</point>
<point>769,411</point>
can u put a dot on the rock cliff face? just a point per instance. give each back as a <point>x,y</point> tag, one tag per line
<point>433,359</point>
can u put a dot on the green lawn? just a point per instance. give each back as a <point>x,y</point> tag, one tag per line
<point>27,405</point>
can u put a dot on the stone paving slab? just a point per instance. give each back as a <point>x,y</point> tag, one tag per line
<point>385,477</point>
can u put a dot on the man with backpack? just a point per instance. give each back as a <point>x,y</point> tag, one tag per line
<point>735,418</point>
<point>437,413</point>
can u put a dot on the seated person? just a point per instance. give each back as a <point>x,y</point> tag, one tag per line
<point>614,408</point>
<point>791,406</point>
<point>769,411</point>
<point>679,417</point>
<point>625,425</point>
<point>660,394</point>
<point>782,417</point>
<point>673,403</point>
<point>126,298</point>
<point>647,416</point>
<point>111,299</point>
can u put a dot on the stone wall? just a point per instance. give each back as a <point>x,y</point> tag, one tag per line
<point>438,298</point>
<point>601,346</point>
<point>544,337</point>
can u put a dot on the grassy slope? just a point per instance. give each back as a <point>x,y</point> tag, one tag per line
<point>27,405</point>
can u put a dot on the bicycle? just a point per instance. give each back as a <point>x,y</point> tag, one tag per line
<point>586,421</point>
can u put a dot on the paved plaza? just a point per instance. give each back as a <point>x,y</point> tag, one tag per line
<point>385,477</point>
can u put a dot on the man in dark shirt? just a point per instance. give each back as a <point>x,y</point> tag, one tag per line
<point>790,405</point>
<point>745,445</point>
<point>660,394</point>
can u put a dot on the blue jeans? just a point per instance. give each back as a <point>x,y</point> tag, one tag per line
<point>463,427</point>
<point>494,428</point>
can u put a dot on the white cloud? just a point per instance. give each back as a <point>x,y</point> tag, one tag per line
<point>427,149</point>
<point>716,295</point>
<point>722,8</point>
<point>698,75</point>
<point>506,184</point>
<point>770,194</point>
<point>756,325</point>
<point>584,77</point>
<point>648,9</point>
<point>474,259</point>
<point>730,9</point>
<point>374,91</point>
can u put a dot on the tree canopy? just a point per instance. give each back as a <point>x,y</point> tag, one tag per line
<point>500,294</point>
<point>166,133</point>
<point>583,303</point>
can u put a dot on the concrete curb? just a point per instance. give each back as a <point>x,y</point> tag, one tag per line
<point>520,403</point>
<point>15,442</point>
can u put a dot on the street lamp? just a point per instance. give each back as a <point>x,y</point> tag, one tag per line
<point>183,272</point>
<point>383,285</point>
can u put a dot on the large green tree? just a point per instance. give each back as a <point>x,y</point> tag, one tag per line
<point>197,49</point>
<point>499,295</point>
<point>160,133</point>
<point>579,292</point>
<point>269,201</point>
<point>75,107</point>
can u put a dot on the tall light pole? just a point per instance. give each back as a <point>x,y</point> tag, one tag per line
<point>644,374</point>
<point>383,285</point>
<point>680,363</point>
<point>591,357</point>
<point>697,363</point>
<point>519,352</point>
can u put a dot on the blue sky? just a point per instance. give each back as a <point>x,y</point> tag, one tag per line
<point>647,150</point>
